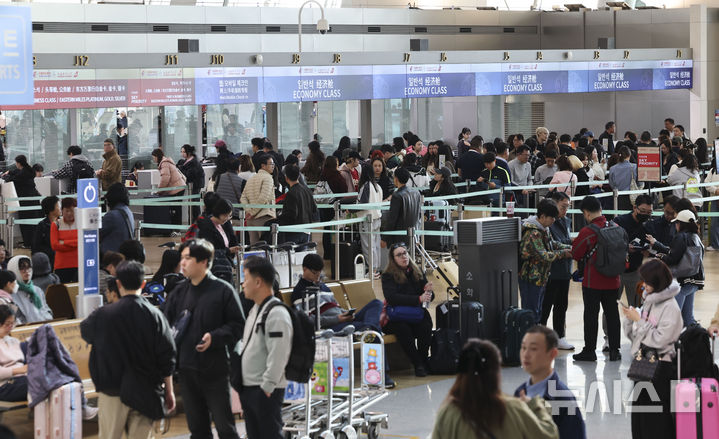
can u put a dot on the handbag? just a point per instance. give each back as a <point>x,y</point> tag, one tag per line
<point>644,365</point>
<point>179,329</point>
<point>405,314</point>
<point>633,186</point>
<point>691,261</point>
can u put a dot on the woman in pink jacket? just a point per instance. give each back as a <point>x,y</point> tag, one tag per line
<point>564,176</point>
<point>170,176</point>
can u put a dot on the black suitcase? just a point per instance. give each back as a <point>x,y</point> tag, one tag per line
<point>472,319</point>
<point>156,215</point>
<point>348,252</point>
<point>446,347</point>
<point>437,243</point>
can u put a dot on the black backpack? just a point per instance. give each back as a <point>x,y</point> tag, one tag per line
<point>222,268</point>
<point>300,364</point>
<point>612,249</point>
<point>82,169</point>
<point>696,356</point>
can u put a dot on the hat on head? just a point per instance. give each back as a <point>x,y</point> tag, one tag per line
<point>685,216</point>
<point>446,173</point>
<point>220,144</point>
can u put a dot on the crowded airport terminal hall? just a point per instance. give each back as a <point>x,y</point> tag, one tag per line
<point>342,219</point>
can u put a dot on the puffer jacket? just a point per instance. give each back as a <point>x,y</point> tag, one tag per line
<point>49,365</point>
<point>660,325</point>
<point>684,175</point>
<point>260,189</point>
<point>537,252</point>
<point>170,176</point>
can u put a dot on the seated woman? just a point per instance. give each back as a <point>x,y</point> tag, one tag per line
<point>13,370</point>
<point>29,298</point>
<point>476,407</point>
<point>407,291</point>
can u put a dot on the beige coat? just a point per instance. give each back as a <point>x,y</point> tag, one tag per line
<point>259,189</point>
<point>170,176</point>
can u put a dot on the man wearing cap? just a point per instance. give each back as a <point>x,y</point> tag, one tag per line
<point>350,169</point>
<point>686,237</point>
<point>404,208</point>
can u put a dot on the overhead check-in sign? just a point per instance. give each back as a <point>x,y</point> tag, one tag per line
<point>16,82</point>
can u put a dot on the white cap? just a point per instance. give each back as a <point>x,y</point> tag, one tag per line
<point>685,216</point>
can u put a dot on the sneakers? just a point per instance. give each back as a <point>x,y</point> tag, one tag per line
<point>585,356</point>
<point>614,355</point>
<point>710,249</point>
<point>565,345</point>
<point>420,371</point>
<point>89,412</point>
<point>605,348</point>
<point>388,382</point>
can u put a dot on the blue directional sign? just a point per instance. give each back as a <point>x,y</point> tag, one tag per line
<point>16,81</point>
<point>87,193</point>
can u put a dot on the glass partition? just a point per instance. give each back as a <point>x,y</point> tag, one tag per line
<point>179,128</point>
<point>143,134</point>
<point>41,135</point>
<point>236,124</point>
<point>96,125</point>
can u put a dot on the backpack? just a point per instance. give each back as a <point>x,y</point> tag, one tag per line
<point>82,169</point>
<point>697,360</point>
<point>222,267</point>
<point>191,232</point>
<point>612,249</point>
<point>323,188</point>
<point>302,356</point>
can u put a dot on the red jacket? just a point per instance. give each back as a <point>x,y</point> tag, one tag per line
<point>582,245</point>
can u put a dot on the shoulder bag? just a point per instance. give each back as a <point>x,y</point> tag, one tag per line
<point>691,261</point>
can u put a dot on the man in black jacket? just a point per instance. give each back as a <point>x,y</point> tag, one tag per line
<point>132,355</point>
<point>609,129</point>
<point>298,208</point>
<point>41,241</point>
<point>404,208</point>
<point>215,325</point>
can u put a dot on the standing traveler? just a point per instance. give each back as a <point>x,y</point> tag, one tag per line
<point>521,173</point>
<point>564,176</point>
<point>556,294</point>
<point>314,163</point>
<point>405,287</point>
<point>331,181</point>
<point>382,177</point>
<point>260,189</point>
<point>191,168</point>
<point>78,166</point>
<point>229,186</point>
<point>132,359</point>
<point>597,289</point>
<point>111,171</point>
<point>544,173</point>
<point>225,156</point>
<point>654,329</point>
<point>609,129</point>
<point>621,176</point>
<point>215,325</point>
<point>370,192</point>
<point>299,207</point>
<point>217,229</point>
<point>662,228</point>
<point>476,408</point>
<point>463,144</point>
<point>170,176</point>
<point>41,240</point>
<point>538,251</point>
<point>350,169</point>
<point>23,178</point>
<point>118,224</point>
<point>266,347</point>
<point>63,238</point>
<point>539,349</point>
<point>687,173</point>
<point>404,209</point>
<point>685,257</point>
<point>713,177</point>
<point>633,224</point>
<point>492,177</point>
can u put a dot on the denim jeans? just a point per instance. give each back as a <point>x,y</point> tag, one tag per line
<point>685,299</point>
<point>365,319</point>
<point>532,296</point>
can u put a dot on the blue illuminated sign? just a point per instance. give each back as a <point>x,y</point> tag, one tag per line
<point>16,81</point>
<point>87,193</point>
<point>88,196</point>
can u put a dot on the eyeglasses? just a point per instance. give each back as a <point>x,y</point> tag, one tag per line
<point>401,254</point>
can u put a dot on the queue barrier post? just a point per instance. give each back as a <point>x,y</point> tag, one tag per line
<point>468,185</point>
<point>410,242</point>
<point>684,190</point>
<point>337,240</point>
<point>460,211</point>
<point>138,229</point>
<point>615,196</point>
<point>241,216</point>
<point>501,196</point>
<point>190,219</point>
<point>3,215</point>
<point>10,232</point>
<point>274,230</point>
<point>368,221</point>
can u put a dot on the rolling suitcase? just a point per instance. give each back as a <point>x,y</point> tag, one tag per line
<point>348,251</point>
<point>437,243</point>
<point>515,323</point>
<point>446,346</point>
<point>696,405</point>
<point>60,415</point>
<point>472,320</point>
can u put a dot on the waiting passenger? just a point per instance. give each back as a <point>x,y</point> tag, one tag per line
<point>539,349</point>
<point>313,165</point>
<point>463,144</point>
<point>217,229</point>
<point>621,176</point>
<point>110,261</point>
<point>63,237</point>
<point>390,156</point>
<point>133,250</point>
<point>382,177</point>
<point>42,275</point>
<point>247,168</point>
<point>41,241</point>
<point>564,176</point>
<point>169,274</point>
<point>476,408</point>
<point>118,224</point>
<point>654,329</point>
<point>132,176</point>
<point>662,228</point>
<point>537,251</point>
<point>133,354</point>
<point>687,173</point>
<point>404,209</point>
<point>685,257</point>
<point>8,286</point>
<point>29,298</point>
<point>492,177</point>
<point>13,366</point>
<point>350,169</point>
<point>192,169</point>
<point>38,169</point>
<point>299,207</point>
<point>441,185</point>
<point>370,192</point>
<point>170,176</point>
<point>229,185</point>
<point>406,290</point>
<point>260,189</point>
<point>23,178</point>
<point>78,166</point>
<point>214,329</point>
<point>111,171</point>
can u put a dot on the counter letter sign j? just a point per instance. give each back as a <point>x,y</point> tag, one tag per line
<point>16,74</point>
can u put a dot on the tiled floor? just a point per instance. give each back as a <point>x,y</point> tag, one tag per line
<point>412,406</point>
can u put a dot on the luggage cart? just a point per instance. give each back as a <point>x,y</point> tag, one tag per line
<point>330,408</point>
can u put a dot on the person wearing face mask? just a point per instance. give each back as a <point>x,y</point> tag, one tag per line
<point>29,298</point>
<point>633,224</point>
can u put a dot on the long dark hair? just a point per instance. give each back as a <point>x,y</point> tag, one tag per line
<point>22,160</point>
<point>384,167</point>
<point>170,259</point>
<point>330,167</point>
<point>464,131</point>
<point>367,176</point>
<point>476,391</point>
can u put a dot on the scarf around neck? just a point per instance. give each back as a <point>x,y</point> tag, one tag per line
<point>29,288</point>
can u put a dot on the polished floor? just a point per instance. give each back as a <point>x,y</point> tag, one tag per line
<point>602,387</point>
